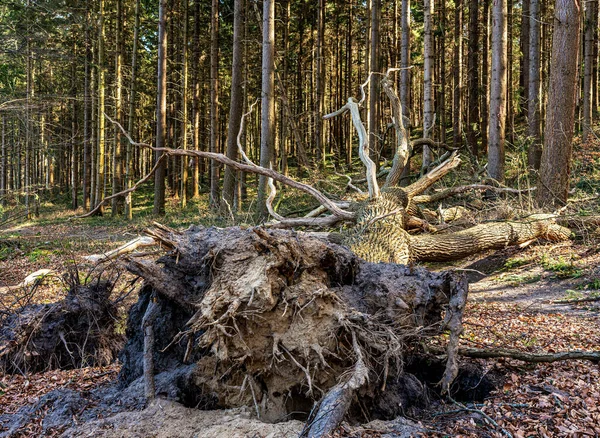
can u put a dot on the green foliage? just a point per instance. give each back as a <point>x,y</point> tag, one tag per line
<point>561,267</point>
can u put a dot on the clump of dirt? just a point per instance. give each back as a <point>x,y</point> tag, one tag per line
<point>274,319</point>
<point>79,330</point>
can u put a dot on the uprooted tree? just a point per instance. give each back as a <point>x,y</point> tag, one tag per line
<point>288,321</point>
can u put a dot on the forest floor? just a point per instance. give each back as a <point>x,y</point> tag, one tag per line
<point>514,303</point>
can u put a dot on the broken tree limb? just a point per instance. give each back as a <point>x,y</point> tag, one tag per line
<point>129,247</point>
<point>433,176</point>
<point>335,404</point>
<point>423,199</point>
<point>593,356</point>
<point>251,168</point>
<point>148,329</point>
<point>577,300</point>
<point>496,235</point>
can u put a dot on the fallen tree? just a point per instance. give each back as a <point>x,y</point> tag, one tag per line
<point>292,324</point>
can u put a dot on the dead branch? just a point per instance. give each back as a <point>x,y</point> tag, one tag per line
<point>577,300</point>
<point>139,242</point>
<point>422,199</point>
<point>252,168</point>
<point>433,176</point>
<point>363,143</point>
<point>593,356</point>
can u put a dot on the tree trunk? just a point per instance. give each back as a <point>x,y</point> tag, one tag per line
<point>214,101</point>
<point>237,99</point>
<point>405,60</point>
<point>184,104</point>
<point>591,19</point>
<point>117,158</point>
<point>267,101</point>
<point>457,117</point>
<point>161,110</point>
<point>473,77</point>
<point>485,84</point>
<point>533,111</point>
<point>524,43</point>
<point>428,104</point>
<point>373,122</point>
<point>100,188</point>
<point>498,92</point>
<point>319,85</point>
<point>130,118</point>
<point>555,166</point>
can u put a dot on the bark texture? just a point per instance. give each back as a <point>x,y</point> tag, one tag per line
<point>497,120</point>
<point>555,167</point>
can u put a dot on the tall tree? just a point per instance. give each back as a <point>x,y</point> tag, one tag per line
<point>161,110</point>
<point>319,84</point>
<point>237,98</point>
<point>373,123</point>
<point>534,102</point>
<point>100,186</point>
<point>117,159</point>
<point>267,129</point>
<point>473,77</point>
<point>428,106</point>
<point>132,106</point>
<point>497,120</point>
<point>405,59</point>
<point>524,65</point>
<point>591,23</point>
<point>457,117</point>
<point>555,169</point>
<point>184,102</point>
<point>214,100</point>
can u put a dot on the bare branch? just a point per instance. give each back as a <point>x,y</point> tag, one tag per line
<point>433,176</point>
<point>422,199</point>
<point>363,144</point>
<point>221,158</point>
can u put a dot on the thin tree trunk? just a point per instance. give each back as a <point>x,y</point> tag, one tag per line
<point>196,104</point>
<point>498,91</point>
<point>485,85</point>
<point>237,99</point>
<point>117,159</point>
<point>428,104</point>
<point>267,101</point>
<point>184,104</point>
<point>373,122</point>
<point>555,166</point>
<point>320,86</point>
<point>130,118</point>
<point>533,112</point>
<point>473,77</point>
<point>214,101</point>
<point>591,16</point>
<point>524,43</point>
<point>457,117</point>
<point>405,59</point>
<point>161,110</point>
<point>100,187</point>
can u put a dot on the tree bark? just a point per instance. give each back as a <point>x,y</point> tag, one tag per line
<point>533,111</point>
<point>591,20</point>
<point>373,122</point>
<point>473,77</point>
<point>457,117</point>
<point>524,68</point>
<point>267,101</point>
<point>117,158</point>
<point>497,120</point>
<point>100,188</point>
<point>161,110</point>
<point>214,101</point>
<point>237,99</point>
<point>131,115</point>
<point>428,104</point>
<point>555,166</point>
<point>405,59</point>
